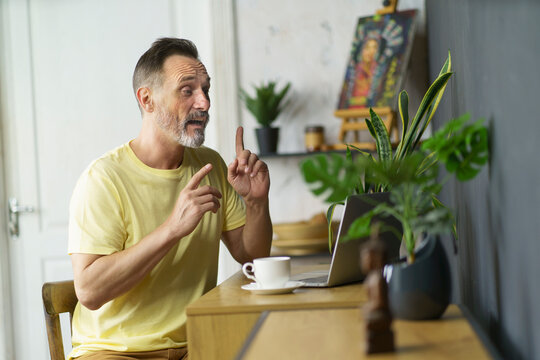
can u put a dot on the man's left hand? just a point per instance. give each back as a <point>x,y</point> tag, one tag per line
<point>247,174</point>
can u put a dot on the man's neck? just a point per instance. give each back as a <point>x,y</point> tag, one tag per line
<point>157,150</point>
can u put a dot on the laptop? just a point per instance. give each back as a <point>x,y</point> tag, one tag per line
<point>345,266</point>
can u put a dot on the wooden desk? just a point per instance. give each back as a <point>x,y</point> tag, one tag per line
<point>219,322</point>
<point>339,334</point>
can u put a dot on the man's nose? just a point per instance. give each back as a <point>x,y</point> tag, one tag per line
<point>202,102</point>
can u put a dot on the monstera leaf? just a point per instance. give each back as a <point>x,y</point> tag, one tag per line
<point>463,149</point>
<point>334,174</point>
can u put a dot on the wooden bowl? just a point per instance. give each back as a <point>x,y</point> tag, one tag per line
<point>301,246</point>
<point>300,230</point>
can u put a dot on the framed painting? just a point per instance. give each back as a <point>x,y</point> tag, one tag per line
<point>378,60</point>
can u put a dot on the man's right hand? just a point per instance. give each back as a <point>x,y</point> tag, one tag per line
<point>193,202</point>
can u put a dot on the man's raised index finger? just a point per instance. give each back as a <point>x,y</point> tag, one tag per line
<point>198,176</point>
<point>239,140</point>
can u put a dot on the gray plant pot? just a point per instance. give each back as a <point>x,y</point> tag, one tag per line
<point>420,291</point>
<point>267,138</point>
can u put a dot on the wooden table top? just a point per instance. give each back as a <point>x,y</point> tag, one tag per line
<point>340,334</point>
<point>230,298</point>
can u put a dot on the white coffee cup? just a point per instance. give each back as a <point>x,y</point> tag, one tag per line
<point>269,272</point>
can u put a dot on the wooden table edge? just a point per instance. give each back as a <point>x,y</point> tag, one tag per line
<point>274,307</point>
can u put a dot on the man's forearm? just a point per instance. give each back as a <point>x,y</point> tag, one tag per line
<point>257,234</point>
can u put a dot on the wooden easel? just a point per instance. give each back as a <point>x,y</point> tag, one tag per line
<point>388,9</point>
<point>353,120</point>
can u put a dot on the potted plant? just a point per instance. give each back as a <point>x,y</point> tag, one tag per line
<point>338,177</point>
<point>266,106</point>
<point>418,288</point>
<point>414,187</point>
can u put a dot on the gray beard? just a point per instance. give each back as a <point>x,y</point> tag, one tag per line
<point>194,141</point>
<point>177,129</point>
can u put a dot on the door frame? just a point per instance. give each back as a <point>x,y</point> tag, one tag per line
<point>6,320</point>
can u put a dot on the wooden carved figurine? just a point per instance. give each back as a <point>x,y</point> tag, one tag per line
<point>377,316</point>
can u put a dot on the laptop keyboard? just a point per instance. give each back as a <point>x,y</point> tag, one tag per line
<point>318,281</point>
<point>321,281</point>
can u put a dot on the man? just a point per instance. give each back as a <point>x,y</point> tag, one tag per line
<point>146,218</point>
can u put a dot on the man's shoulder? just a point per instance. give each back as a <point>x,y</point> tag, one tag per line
<point>108,163</point>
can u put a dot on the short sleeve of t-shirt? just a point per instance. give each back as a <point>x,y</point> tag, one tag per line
<point>96,223</point>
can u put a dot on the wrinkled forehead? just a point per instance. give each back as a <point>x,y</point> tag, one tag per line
<point>181,68</point>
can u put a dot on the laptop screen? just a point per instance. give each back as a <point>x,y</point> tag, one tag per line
<point>345,266</point>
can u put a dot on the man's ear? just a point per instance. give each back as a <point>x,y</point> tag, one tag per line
<point>144,97</point>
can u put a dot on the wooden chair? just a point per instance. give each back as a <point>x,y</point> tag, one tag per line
<point>58,297</point>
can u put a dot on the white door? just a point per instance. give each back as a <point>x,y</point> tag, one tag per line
<point>66,99</point>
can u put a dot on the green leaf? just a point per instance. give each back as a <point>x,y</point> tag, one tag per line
<point>366,171</point>
<point>430,161</point>
<point>331,174</point>
<point>371,129</point>
<point>358,149</point>
<point>411,139</point>
<point>447,66</point>
<point>433,107</point>
<point>329,219</point>
<point>403,101</point>
<point>360,227</point>
<point>462,148</point>
<point>394,172</point>
<point>438,204</point>
<point>267,103</point>
<point>348,155</point>
<point>359,188</point>
<point>379,131</point>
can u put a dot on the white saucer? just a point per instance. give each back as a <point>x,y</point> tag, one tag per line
<point>290,286</point>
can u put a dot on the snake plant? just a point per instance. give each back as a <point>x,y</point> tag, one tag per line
<point>409,173</point>
<point>322,170</point>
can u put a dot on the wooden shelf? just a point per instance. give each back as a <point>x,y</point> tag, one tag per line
<point>310,153</point>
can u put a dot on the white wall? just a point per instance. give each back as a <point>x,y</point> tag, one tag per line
<point>307,43</point>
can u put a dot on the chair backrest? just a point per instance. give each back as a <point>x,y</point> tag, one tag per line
<point>58,297</point>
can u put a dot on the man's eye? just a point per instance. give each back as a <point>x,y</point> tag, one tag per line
<point>186,91</point>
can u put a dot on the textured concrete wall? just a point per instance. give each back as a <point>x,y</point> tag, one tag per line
<point>495,48</point>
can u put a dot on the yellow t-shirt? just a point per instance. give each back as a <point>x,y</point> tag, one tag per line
<point>117,201</point>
